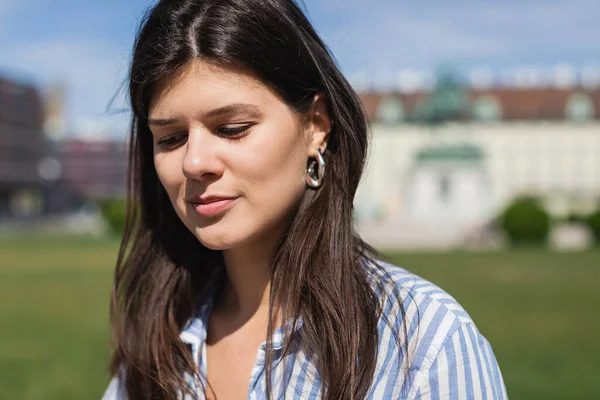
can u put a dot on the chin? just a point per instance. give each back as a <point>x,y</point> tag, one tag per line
<point>216,241</point>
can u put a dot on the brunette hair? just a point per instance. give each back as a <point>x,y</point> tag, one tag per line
<point>318,271</point>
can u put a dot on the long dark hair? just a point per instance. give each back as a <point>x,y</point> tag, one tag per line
<point>318,271</point>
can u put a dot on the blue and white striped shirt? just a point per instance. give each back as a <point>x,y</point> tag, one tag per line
<point>448,356</point>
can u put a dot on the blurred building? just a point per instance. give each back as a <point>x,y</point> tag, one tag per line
<point>433,184</point>
<point>26,170</point>
<point>42,171</point>
<point>94,169</point>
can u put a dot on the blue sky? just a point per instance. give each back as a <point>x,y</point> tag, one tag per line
<point>86,43</point>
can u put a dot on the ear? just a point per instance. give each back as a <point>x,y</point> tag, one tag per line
<point>319,125</point>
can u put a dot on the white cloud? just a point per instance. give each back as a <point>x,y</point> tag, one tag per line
<point>532,25</point>
<point>399,40</point>
<point>373,41</point>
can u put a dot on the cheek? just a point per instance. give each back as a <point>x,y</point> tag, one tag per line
<point>169,175</point>
<point>275,175</point>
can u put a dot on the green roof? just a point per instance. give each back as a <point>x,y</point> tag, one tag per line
<point>456,152</point>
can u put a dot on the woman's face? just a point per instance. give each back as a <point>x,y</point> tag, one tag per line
<point>230,153</point>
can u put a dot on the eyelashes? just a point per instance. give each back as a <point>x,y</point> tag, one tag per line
<point>172,141</point>
<point>232,132</point>
<point>229,134</point>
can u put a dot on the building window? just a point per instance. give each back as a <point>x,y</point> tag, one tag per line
<point>580,108</point>
<point>486,109</point>
<point>390,111</point>
<point>444,183</point>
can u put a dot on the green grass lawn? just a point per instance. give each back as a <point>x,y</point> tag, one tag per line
<point>539,310</point>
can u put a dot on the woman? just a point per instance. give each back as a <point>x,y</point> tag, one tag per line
<point>239,273</point>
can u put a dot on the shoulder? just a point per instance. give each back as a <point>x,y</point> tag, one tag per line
<point>441,336</point>
<point>116,388</point>
<point>419,296</point>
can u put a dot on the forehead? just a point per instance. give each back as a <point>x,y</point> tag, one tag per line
<point>207,85</point>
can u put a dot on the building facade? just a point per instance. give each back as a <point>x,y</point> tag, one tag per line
<point>43,171</point>
<point>23,151</point>
<point>94,169</point>
<point>434,185</point>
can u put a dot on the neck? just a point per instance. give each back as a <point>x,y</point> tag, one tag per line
<point>246,289</point>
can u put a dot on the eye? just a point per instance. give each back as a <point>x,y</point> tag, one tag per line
<point>234,132</point>
<point>173,141</point>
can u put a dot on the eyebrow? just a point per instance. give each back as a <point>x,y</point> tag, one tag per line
<point>251,109</point>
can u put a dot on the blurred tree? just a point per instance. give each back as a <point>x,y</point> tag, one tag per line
<point>593,222</point>
<point>114,213</point>
<point>525,221</point>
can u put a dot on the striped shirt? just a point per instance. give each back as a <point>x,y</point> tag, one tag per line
<point>448,358</point>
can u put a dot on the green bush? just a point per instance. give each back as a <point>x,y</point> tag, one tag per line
<point>114,213</point>
<point>593,222</point>
<point>525,222</point>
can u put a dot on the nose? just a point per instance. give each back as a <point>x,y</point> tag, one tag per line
<point>201,160</point>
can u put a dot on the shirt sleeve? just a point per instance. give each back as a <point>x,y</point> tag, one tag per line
<point>465,368</point>
<point>115,390</point>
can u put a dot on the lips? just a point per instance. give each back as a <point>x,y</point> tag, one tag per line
<point>209,206</point>
<point>214,200</point>
<point>209,198</point>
